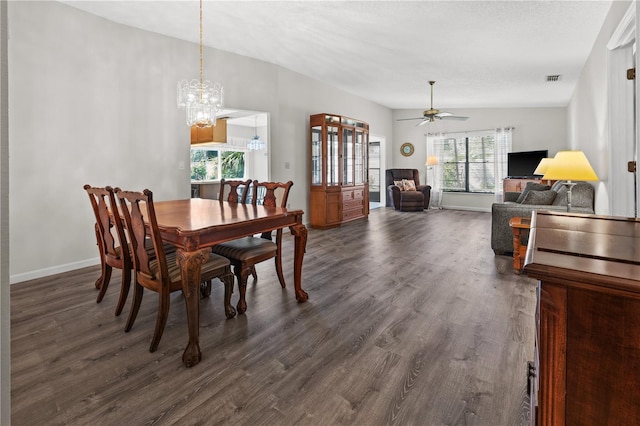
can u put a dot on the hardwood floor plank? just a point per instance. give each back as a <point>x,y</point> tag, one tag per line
<point>411,320</point>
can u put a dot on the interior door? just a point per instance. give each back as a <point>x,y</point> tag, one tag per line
<point>374,171</point>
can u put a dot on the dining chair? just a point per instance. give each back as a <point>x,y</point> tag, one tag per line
<point>237,190</point>
<point>245,253</point>
<point>110,246</point>
<point>162,273</point>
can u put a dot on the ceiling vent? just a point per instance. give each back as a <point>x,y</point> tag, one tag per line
<point>555,77</point>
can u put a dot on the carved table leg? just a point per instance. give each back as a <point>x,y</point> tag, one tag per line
<point>190,264</point>
<point>300,233</point>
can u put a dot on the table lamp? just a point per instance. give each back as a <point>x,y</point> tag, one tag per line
<point>569,166</point>
<point>542,167</point>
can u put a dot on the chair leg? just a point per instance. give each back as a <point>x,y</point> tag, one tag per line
<point>124,289</point>
<point>161,320</point>
<point>278,260</point>
<point>104,279</point>
<point>253,272</point>
<point>227,279</point>
<point>102,261</point>
<point>205,289</point>
<point>242,273</point>
<point>138,291</point>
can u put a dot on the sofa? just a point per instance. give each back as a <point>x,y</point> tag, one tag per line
<point>535,196</point>
<point>404,191</point>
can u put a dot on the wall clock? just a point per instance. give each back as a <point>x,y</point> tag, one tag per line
<point>406,149</point>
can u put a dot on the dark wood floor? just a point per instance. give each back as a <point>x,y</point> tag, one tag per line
<point>411,320</point>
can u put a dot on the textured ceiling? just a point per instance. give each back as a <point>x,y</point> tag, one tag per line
<point>481,53</point>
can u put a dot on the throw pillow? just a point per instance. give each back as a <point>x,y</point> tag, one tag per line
<point>409,184</point>
<point>399,184</point>
<point>540,197</point>
<point>531,186</point>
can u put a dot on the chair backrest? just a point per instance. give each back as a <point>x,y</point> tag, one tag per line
<point>271,197</point>
<point>237,189</point>
<point>103,203</point>
<point>392,175</point>
<point>133,212</point>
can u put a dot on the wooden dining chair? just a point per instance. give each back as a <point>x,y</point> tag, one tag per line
<point>236,190</point>
<point>245,253</point>
<point>162,273</point>
<point>110,246</point>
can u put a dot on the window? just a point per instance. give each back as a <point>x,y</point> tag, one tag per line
<point>215,164</point>
<point>468,164</point>
<point>473,161</point>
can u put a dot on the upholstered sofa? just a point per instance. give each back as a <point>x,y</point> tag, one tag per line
<point>415,197</point>
<point>535,197</point>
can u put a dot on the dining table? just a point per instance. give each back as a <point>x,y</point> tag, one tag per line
<point>194,225</point>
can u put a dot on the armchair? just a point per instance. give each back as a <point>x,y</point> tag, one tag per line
<point>399,199</point>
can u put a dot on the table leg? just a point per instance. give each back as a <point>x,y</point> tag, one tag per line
<point>517,261</point>
<point>300,233</point>
<point>190,263</point>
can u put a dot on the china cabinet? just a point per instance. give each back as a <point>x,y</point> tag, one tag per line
<point>339,170</point>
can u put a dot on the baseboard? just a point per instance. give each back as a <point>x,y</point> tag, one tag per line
<point>467,208</point>
<point>39,273</point>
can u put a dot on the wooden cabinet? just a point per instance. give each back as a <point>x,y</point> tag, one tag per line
<point>587,351</point>
<point>217,133</point>
<point>339,170</point>
<point>516,185</point>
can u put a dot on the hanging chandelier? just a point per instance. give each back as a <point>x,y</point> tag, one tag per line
<point>202,100</point>
<point>255,144</point>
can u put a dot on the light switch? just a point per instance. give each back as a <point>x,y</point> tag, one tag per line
<point>286,165</point>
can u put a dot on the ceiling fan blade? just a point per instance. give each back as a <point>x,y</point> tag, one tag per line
<point>423,122</point>
<point>454,117</point>
<point>405,119</point>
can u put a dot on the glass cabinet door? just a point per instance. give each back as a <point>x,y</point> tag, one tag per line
<point>333,156</point>
<point>347,156</point>
<point>359,157</point>
<point>316,155</point>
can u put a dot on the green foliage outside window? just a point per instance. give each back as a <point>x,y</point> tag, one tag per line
<point>214,164</point>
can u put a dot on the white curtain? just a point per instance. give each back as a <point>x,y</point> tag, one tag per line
<point>503,138</point>
<point>434,173</point>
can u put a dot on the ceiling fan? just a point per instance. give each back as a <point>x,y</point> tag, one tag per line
<point>432,114</point>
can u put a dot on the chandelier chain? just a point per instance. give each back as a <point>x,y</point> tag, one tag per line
<point>201,50</point>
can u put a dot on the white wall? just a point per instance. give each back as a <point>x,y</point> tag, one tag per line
<point>93,101</point>
<point>587,110</point>
<point>5,312</point>
<point>535,128</point>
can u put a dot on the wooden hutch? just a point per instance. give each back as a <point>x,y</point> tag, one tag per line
<point>339,170</point>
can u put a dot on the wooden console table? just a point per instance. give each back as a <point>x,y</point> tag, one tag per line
<point>587,353</point>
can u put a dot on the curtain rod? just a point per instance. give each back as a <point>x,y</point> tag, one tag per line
<point>468,131</point>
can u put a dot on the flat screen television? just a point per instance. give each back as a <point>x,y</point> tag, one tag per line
<point>523,164</point>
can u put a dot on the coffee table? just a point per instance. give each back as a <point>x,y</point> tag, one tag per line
<point>520,227</point>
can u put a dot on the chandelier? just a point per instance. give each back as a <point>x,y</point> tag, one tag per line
<point>202,100</point>
<point>255,144</point>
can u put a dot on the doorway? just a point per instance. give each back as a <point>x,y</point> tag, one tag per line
<point>374,174</point>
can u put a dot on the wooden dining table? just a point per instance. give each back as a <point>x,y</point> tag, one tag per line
<point>194,225</point>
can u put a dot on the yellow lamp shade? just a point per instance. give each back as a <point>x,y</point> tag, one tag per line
<point>542,166</point>
<point>570,165</point>
<point>432,160</point>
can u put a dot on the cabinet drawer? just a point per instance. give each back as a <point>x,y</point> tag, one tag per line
<point>352,214</point>
<point>352,204</point>
<point>352,194</point>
